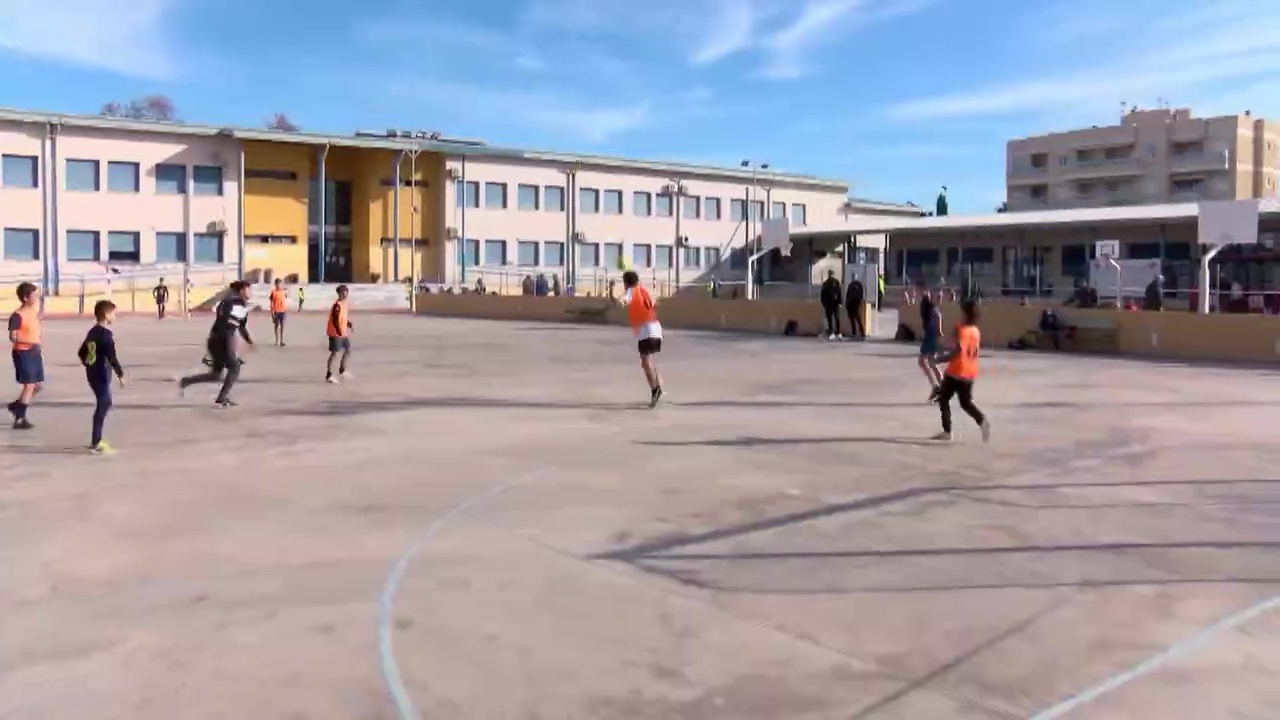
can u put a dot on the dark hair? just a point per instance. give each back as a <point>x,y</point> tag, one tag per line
<point>969,308</point>
<point>25,291</point>
<point>343,289</point>
<point>239,285</point>
<point>630,278</point>
<point>101,308</point>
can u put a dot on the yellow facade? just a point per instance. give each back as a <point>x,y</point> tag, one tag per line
<point>276,189</point>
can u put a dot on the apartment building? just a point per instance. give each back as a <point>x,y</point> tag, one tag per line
<point>1163,155</point>
<point>81,193</point>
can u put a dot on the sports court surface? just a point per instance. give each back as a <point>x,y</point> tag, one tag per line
<point>776,542</point>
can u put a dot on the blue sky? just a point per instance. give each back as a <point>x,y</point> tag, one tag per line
<point>898,97</point>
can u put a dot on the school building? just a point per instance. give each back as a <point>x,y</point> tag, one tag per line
<point>79,194</point>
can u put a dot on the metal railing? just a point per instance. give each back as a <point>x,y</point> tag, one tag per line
<point>125,283</point>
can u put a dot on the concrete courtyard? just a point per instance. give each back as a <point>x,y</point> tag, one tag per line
<point>485,523</point>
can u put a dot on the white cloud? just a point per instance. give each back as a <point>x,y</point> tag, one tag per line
<point>1181,57</point>
<point>127,37</point>
<point>731,28</point>
<point>820,21</point>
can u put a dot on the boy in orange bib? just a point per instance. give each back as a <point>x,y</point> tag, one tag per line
<point>961,373</point>
<point>642,315</point>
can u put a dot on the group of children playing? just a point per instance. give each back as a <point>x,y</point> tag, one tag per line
<point>230,329</point>
<point>98,356</point>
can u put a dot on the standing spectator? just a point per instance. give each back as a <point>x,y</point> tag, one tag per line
<point>880,292</point>
<point>480,285</point>
<point>556,288</point>
<point>526,285</point>
<point>161,295</point>
<point>830,298</point>
<point>540,286</point>
<point>854,302</point>
<point>1153,299</point>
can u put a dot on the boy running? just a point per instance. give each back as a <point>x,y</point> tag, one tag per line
<point>28,364</point>
<point>338,328</point>
<point>161,295</point>
<point>231,319</point>
<point>279,303</point>
<point>98,356</point>
<point>643,318</point>
<point>962,371</point>
<point>930,331</point>
<point>302,297</point>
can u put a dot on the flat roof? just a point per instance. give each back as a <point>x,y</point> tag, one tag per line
<point>443,146</point>
<point>1023,219</point>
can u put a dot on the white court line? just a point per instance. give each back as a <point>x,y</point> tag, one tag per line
<point>1156,661</point>
<point>386,602</point>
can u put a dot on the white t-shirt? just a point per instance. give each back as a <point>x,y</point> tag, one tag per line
<point>648,330</point>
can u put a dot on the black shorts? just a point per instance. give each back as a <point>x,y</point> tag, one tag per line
<point>28,366</point>
<point>649,346</point>
<point>277,319</point>
<point>339,344</point>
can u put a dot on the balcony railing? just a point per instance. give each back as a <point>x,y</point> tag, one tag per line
<point>1201,160</point>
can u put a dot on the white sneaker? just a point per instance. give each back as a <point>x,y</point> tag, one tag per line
<point>331,380</point>
<point>345,375</point>
<point>986,430</point>
<point>944,437</point>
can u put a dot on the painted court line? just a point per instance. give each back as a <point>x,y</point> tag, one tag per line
<point>1156,661</point>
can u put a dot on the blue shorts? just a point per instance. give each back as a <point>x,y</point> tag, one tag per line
<point>929,343</point>
<point>28,366</point>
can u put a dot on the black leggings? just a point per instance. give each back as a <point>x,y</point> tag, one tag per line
<point>102,394</point>
<point>833,319</point>
<point>223,359</point>
<point>961,390</point>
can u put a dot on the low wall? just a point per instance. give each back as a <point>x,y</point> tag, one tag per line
<point>1169,335</point>
<point>138,301</point>
<point>691,312</point>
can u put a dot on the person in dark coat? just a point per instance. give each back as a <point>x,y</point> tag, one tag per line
<point>854,301</point>
<point>830,296</point>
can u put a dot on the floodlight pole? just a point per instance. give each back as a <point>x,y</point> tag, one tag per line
<point>751,263</point>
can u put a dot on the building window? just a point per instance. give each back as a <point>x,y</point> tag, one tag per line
<point>527,253</point>
<point>588,201</point>
<point>171,247</point>
<point>468,194</point>
<point>663,205</point>
<point>206,248</point>
<point>613,256</point>
<point>692,257</point>
<point>691,207</point>
<point>757,210</point>
<point>124,247</point>
<point>641,255</point>
<point>589,255</point>
<point>206,180</point>
<point>82,246</point>
<point>171,180</point>
<point>641,204</point>
<point>798,214</point>
<point>737,210</point>
<point>495,253</point>
<point>272,239</point>
<point>612,202</point>
<point>712,257</point>
<point>495,196</point>
<point>662,259</point>
<point>553,254</point>
<point>82,175</point>
<point>778,210</point>
<point>122,177</point>
<point>21,244</point>
<point>19,171</point>
<point>553,198</point>
<point>471,256</point>
<point>711,208</point>
<point>266,174</point>
<point>527,197</point>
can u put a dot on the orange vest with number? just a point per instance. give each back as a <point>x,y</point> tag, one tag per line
<point>337,320</point>
<point>28,334</point>
<point>641,311</point>
<point>964,364</point>
<point>278,300</point>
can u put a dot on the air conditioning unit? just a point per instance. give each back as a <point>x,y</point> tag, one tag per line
<point>683,241</point>
<point>579,236</point>
<point>451,233</point>
<point>217,226</point>
<point>668,189</point>
<point>453,174</point>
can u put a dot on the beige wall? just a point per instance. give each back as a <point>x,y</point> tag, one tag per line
<point>1153,156</point>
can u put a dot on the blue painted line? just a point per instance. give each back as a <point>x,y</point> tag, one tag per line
<point>1179,650</point>
<point>391,676</point>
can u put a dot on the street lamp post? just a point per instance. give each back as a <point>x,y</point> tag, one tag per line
<point>678,192</point>
<point>570,228</point>
<point>756,167</point>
